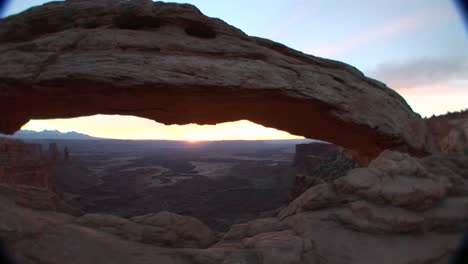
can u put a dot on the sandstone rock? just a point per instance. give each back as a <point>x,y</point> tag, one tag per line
<point>224,255</point>
<point>363,216</point>
<point>23,164</point>
<point>456,141</point>
<point>356,231</point>
<point>114,225</point>
<point>25,175</point>
<point>397,179</point>
<point>17,224</point>
<point>316,197</point>
<point>282,247</point>
<point>450,132</point>
<point>334,243</point>
<point>317,163</point>
<point>253,228</point>
<point>188,229</point>
<point>53,152</point>
<point>241,257</point>
<point>451,214</point>
<point>170,63</point>
<point>164,229</point>
<point>98,220</point>
<point>79,245</point>
<point>453,167</point>
<point>157,60</point>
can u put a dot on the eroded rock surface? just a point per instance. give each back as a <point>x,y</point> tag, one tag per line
<point>450,132</point>
<point>25,175</point>
<point>404,181</point>
<point>188,230</point>
<point>163,228</point>
<point>170,63</point>
<point>317,163</point>
<point>340,222</point>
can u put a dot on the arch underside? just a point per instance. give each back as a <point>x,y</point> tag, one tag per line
<point>308,118</point>
<point>177,66</point>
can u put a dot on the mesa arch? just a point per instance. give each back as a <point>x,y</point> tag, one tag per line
<point>172,64</point>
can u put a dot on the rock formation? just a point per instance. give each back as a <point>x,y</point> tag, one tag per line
<point>319,163</point>
<point>25,174</point>
<point>450,132</point>
<point>26,177</point>
<point>163,228</point>
<point>53,152</point>
<point>398,210</point>
<point>66,154</point>
<point>170,63</point>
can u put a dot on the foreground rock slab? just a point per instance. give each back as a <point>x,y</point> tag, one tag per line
<point>340,222</point>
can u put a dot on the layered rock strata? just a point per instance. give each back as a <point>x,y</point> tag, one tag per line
<point>170,63</point>
<point>398,210</point>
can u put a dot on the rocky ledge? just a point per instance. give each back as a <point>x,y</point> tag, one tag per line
<point>400,209</point>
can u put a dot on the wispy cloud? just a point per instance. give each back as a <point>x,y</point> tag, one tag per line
<point>384,32</point>
<point>422,71</point>
<point>429,85</point>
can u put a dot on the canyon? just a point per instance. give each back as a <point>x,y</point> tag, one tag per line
<point>401,195</point>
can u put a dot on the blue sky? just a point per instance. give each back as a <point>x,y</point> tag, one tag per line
<point>363,33</point>
<point>417,47</point>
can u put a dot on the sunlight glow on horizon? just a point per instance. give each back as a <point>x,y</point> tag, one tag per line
<point>131,127</point>
<point>435,99</point>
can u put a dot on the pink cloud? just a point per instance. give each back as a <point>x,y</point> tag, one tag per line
<point>383,32</point>
<point>420,72</point>
<point>436,99</point>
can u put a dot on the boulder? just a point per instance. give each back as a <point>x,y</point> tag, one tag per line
<point>25,175</point>
<point>253,228</point>
<point>164,229</point>
<point>316,197</point>
<point>282,247</point>
<point>336,243</point>
<point>319,162</point>
<point>397,179</point>
<point>188,230</point>
<point>450,132</point>
<point>450,215</point>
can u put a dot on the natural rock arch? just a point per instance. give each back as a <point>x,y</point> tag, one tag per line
<point>170,63</point>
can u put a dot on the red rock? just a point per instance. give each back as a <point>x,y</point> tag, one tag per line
<point>25,174</point>
<point>170,63</point>
<point>318,163</point>
<point>450,132</point>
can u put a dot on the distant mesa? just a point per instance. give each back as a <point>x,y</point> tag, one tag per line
<point>50,134</point>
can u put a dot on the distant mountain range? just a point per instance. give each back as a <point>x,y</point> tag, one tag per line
<point>50,134</point>
<point>55,134</point>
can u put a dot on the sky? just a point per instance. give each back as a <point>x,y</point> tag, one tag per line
<point>417,47</point>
